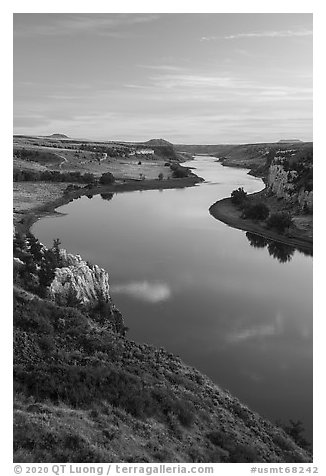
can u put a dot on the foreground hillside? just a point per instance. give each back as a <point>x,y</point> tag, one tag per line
<point>85,393</point>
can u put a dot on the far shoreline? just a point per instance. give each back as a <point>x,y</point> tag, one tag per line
<point>222,210</point>
<point>29,217</point>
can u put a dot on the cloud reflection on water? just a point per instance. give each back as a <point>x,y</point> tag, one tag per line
<point>258,331</point>
<point>144,290</point>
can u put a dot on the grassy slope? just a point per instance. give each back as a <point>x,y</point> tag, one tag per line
<point>67,155</point>
<point>86,394</point>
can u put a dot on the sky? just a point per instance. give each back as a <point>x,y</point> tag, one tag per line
<point>203,78</point>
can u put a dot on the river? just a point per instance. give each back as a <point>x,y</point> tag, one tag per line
<point>239,312</point>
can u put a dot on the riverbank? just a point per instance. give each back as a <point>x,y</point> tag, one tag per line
<point>24,219</point>
<point>225,211</point>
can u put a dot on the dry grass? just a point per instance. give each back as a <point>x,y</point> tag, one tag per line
<point>28,195</point>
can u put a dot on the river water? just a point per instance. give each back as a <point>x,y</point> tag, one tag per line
<point>239,311</point>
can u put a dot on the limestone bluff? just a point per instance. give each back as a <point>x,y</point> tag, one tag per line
<point>78,281</point>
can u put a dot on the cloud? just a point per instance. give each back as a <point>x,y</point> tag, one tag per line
<point>181,81</point>
<point>71,24</point>
<point>144,290</point>
<point>213,88</point>
<point>258,332</point>
<point>253,333</point>
<point>261,34</point>
<point>162,67</point>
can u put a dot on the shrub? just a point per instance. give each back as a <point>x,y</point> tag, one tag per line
<point>70,188</point>
<point>52,176</point>
<point>160,176</point>
<point>179,171</point>
<point>280,221</point>
<point>40,156</point>
<point>107,178</point>
<point>88,178</point>
<point>238,196</point>
<point>257,211</point>
<point>242,453</point>
<point>306,210</point>
<point>19,242</point>
<point>56,253</point>
<point>81,386</point>
<point>237,452</point>
<point>46,272</point>
<point>35,247</point>
<point>218,438</point>
<point>296,431</point>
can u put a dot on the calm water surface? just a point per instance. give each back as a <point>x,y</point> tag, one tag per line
<point>242,314</point>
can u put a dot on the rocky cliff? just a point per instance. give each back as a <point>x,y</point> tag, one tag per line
<point>280,181</point>
<point>78,282</point>
<point>290,178</point>
<point>76,277</point>
<point>64,278</point>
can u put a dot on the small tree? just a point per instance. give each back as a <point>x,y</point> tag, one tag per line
<point>257,211</point>
<point>296,430</point>
<point>238,196</point>
<point>19,242</point>
<point>35,247</point>
<point>46,273</point>
<point>106,179</point>
<point>280,221</point>
<point>88,178</point>
<point>29,270</point>
<point>180,172</point>
<point>56,252</point>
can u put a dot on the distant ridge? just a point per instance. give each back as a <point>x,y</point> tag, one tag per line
<point>58,136</point>
<point>288,141</point>
<point>158,142</point>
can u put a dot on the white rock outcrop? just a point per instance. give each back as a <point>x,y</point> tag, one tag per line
<point>305,199</point>
<point>77,278</point>
<point>281,183</point>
